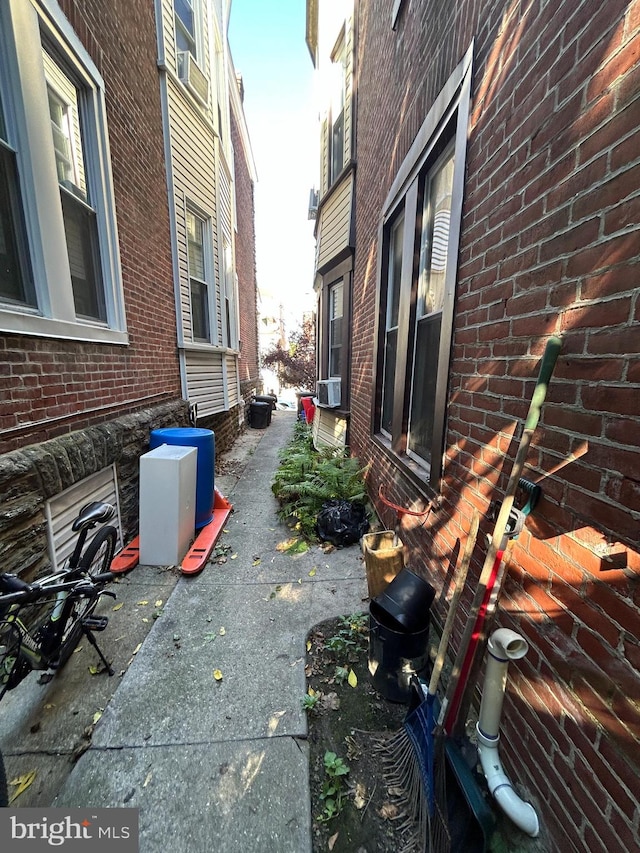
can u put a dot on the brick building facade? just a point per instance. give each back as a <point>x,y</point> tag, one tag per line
<point>545,242</point>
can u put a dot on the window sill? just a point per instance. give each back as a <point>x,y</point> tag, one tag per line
<point>45,327</point>
<point>409,469</point>
<point>204,347</point>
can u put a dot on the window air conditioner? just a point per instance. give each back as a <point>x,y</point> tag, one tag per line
<point>328,393</point>
<point>192,76</point>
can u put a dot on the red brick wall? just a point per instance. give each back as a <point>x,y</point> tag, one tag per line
<point>246,263</point>
<point>50,386</point>
<point>549,244</point>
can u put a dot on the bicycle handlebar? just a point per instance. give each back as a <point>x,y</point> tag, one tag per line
<point>41,590</point>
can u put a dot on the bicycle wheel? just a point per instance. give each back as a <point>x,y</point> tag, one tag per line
<point>75,610</point>
<point>4,792</point>
<point>99,552</point>
<point>96,560</point>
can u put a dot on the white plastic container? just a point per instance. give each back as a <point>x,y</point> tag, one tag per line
<point>167,504</point>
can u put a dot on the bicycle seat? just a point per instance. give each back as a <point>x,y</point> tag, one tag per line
<point>95,512</point>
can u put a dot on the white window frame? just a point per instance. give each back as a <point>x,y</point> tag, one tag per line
<point>25,103</point>
<point>209,277</point>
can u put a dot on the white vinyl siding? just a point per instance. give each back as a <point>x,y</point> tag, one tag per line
<point>200,181</point>
<point>335,222</point>
<point>62,510</point>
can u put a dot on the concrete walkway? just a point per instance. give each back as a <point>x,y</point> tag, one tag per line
<point>222,766</point>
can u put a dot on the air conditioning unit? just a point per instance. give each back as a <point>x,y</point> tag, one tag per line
<point>192,76</point>
<point>328,393</point>
<point>313,204</point>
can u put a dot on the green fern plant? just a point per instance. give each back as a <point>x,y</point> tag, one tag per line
<point>307,478</point>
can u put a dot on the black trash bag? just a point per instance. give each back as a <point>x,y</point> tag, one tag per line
<point>342,522</point>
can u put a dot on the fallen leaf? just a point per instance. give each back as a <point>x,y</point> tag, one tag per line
<point>330,702</point>
<point>217,674</point>
<point>145,620</point>
<point>234,556</point>
<point>222,631</point>
<point>256,562</point>
<point>96,717</point>
<point>21,784</point>
<point>308,645</point>
<point>137,649</point>
<point>94,670</point>
<point>353,679</point>
<point>159,603</point>
<point>333,840</point>
<point>360,796</point>
<point>311,691</point>
<point>142,603</point>
<point>388,811</point>
<point>225,529</point>
<point>118,606</point>
<point>312,573</point>
<point>147,780</point>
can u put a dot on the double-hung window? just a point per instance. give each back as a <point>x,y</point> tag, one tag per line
<point>186,23</point>
<point>197,230</point>
<point>60,267</point>
<point>419,238</point>
<point>78,214</point>
<point>338,83</point>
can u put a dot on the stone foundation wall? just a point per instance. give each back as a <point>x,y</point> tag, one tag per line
<point>32,475</point>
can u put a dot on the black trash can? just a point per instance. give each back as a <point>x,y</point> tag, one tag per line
<point>259,415</point>
<point>395,654</point>
<point>266,398</point>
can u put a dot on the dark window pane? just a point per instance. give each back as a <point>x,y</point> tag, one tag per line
<point>82,248</point>
<point>335,338</point>
<point>389,379</point>
<point>184,11</point>
<point>15,278</point>
<point>425,372</point>
<point>337,146</point>
<point>395,270</point>
<point>199,310</point>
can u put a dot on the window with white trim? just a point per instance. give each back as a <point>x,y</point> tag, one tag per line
<point>59,252</point>
<point>187,26</point>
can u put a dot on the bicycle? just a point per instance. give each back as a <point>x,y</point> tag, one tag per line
<point>42,622</point>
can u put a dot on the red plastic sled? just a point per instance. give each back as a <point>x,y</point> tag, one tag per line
<point>197,556</point>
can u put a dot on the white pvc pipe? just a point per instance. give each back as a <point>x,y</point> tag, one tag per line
<point>503,645</point>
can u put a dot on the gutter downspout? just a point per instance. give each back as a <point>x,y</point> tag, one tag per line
<point>503,645</point>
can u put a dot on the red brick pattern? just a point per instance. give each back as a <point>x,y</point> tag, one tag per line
<point>549,244</point>
<point>59,386</point>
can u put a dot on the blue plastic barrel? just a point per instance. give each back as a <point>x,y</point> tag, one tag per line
<point>204,442</point>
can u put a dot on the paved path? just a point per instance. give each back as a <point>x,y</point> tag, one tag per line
<point>222,766</point>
